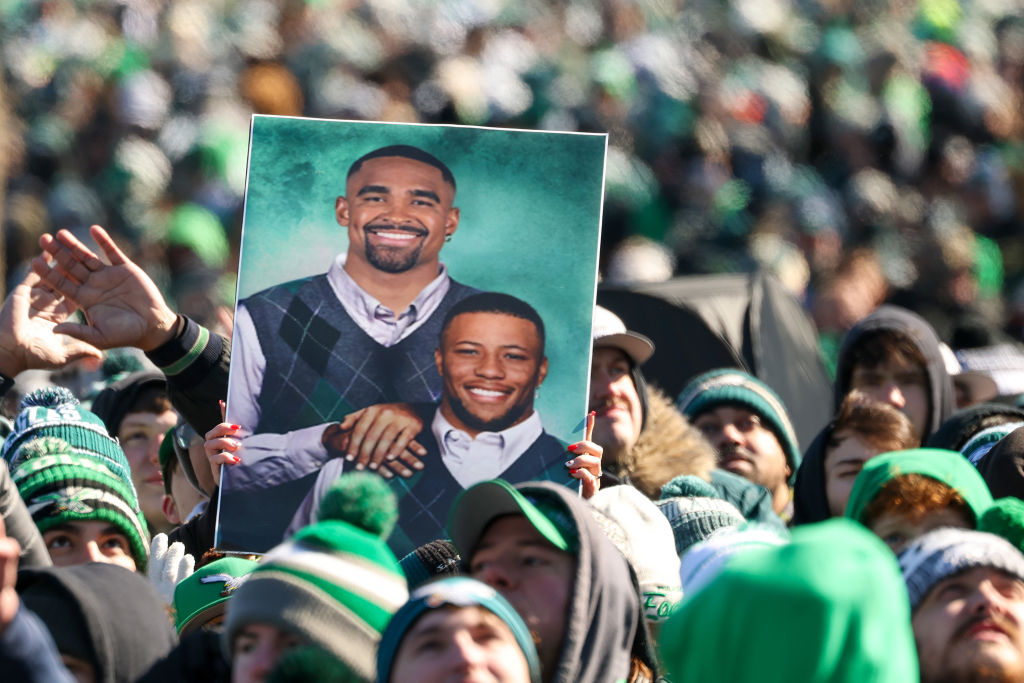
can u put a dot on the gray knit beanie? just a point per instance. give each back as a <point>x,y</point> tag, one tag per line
<point>694,519</point>
<point>944,552</point>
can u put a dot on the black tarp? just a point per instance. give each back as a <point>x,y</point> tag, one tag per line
<point>749,321</point>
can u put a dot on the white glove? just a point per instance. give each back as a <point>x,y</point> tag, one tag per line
<point>168,566</point>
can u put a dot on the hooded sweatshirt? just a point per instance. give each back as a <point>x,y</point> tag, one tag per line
<point>836,597</point>
<point>102,613</point>
<point>1003,467</point>
<point>810,503</point>
<point>941,395</point>
<point>948,467</point>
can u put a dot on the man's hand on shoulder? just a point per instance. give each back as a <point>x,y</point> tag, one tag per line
<point>121,304</point>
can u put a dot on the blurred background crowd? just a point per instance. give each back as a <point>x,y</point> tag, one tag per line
<point>862,151</point>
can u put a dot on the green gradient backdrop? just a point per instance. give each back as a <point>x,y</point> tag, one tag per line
<point>530,223</point>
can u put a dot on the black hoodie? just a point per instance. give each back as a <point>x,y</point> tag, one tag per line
<point>102,613</point>
<point>810,503</point>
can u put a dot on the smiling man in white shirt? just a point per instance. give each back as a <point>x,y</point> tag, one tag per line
<point>491,361</point>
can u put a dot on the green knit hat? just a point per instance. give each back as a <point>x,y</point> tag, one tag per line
<point>61,486</point>
<point>201,596</point>
<point>948,467</point>
<point>836,585</point>
<point>54,411</point>
<point>729,386</point>
<point>1005,517</point>
<point>334,584</point>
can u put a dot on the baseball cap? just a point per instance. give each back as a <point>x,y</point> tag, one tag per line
<point>610,331</point>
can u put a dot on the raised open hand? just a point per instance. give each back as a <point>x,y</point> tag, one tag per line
<point>28,338</point>
<point>121,304</point>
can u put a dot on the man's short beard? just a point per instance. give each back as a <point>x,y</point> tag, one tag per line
<point>392,259</point>
<point>498,424</point>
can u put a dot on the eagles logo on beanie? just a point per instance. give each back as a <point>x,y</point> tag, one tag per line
<point>54,411</point>
<point>60,486</point>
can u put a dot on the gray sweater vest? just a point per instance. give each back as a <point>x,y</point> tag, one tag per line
<point>321,365</point>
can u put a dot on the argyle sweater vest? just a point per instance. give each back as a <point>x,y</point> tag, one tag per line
<point>321,365</point>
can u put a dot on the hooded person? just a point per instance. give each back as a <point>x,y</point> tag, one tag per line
<point>333,585</point>
<point>1002,468</point>
<point>962,426</point>
<point>863,429</point>
<point>895,356</point>
<point>902,495</point>
<point>539,545</point>
<point>452,614</point>
<point>106,621</point>
<point>848,624</point>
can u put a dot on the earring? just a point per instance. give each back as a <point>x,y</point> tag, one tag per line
<point>447,237</point>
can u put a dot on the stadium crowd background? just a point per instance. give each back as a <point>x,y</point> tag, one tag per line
<point>861,150</point>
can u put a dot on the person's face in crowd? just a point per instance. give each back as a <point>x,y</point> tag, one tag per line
<point>969,628</point>
<point>898,530</point>
<point>183,498</point>
<point>257,649</point>
<point>140,435</point>
<point>903,386</point>
<point>491,365</point>
<point>614,399</point>
<point>844,460</point>
<point>460,644</point>
<point>745,445</point>
<point>81,542</point>
<point>398,212</point>
<point>536,577</point>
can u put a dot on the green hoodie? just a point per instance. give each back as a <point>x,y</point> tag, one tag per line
<point>948,467</point>
<point>830,606</point>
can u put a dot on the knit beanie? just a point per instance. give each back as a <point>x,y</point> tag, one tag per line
<point>311,663</point>
<point>948,467</point>
<point>703,561</point>
<point>694,519</point>
<point>836,585</point>
<point>981,443</point>
<point>116,401</point>
<point>1005,518</point>
<point>941,553</point>
<point>60,486</point>
<point>459,591</point>
<point>430,560</point>
<point>54,411</point>
<point>642,534</point>
<point>959,427</point>
<point>334,584</point>
<point>729,386</point>
<point>202,595</point>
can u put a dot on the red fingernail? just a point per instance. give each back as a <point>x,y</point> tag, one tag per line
<point>593,412</point>
<point>236,426</point>
<point>573,446</point>
<point>574,470</point>
<point>237,459</point>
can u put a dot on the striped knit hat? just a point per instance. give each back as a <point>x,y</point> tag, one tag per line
<point>335,584</point>
<point>729,386</point>
<point>945,552</point>
<point>59,486</point>
<point>54,411</point>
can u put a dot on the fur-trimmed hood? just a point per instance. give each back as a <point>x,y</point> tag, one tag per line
<point>669,446</point>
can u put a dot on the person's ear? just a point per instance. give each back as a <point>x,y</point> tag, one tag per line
<point>170,510</point>
<point>341,211</point>
<point>451,221</point>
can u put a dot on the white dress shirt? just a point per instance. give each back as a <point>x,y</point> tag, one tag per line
<point>472,460</point>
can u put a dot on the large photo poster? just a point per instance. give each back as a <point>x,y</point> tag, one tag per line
<point>405,299</point>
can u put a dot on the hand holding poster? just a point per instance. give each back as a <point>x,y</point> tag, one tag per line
<point>357,346</point>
